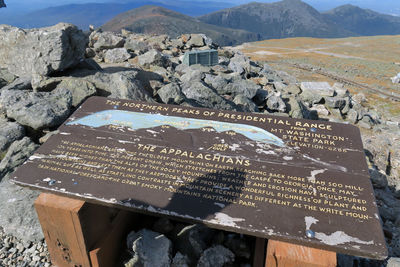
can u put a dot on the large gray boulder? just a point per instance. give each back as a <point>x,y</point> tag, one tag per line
<point>9,132</point>
<point>6,77</point>
<point>41,51</point>
<point>240,64</point>
<point>240,87</point>
<point>17,213</point>
<point>79,87</point>
<point>275,103</point>
<point>149,249</point>
<point>116,55</point>
<point>105,40</point>
<point>318,88</point>
<point>18,152</point>
<point>21,83</point>
<point>137,46</point>
<point>152,58</point>
<point>170,93</point>
<point>37,110</point>
<point>122,85</point>
<point>206,96</point>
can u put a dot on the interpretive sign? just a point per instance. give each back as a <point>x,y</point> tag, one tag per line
<point>305,182</point>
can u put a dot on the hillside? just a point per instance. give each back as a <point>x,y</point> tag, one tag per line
<point>287,18</point>
<point>363,21</point>
<point>158,20</point>
<point>338,59</point>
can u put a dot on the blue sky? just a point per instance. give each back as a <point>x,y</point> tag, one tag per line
<point>386,6</point>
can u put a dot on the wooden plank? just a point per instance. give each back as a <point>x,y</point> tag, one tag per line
<point>259,252</point>
<point>281,254</point>
<point>106,251</point>
<point>71,228</point>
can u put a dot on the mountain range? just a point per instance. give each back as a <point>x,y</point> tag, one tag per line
<point>227,26</point>
<point>158,20</point>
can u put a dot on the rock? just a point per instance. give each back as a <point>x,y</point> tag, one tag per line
<point>149,248</point>
<point>122,85</point>
<point>206,96</point>
<point>247,88</point>
<point>17,213</point>
<point>105,40</point>
<point>311,98</point>
<point>321,110</point>
<point>41,51</point>
<point>170,93</point>
<point>116,55</point>
<point>192,75</point>
<point>216,256</point>
<point>366,122</point>
<point>280,86</point>
<point>37,110</point>
<point>9,132</point>
<point>335,102</point>
<point>238,245</point>
<point>275,103</point>
<point>21,83</point>
<point>294,108</point>
<point>196,40</point>
<point>292,89</point>
<point>79,88</point>
<point>136,46</point>
<point>90,53</point>
<point>6,77</point>
<point>393,262</point>
<point>87,64</point>
<point>352,116</point>
<point>240,64</point>
<point>268,73</point>
<point>378,179</point>
<point>46,137</point>
<point>359,98</point>
<point>396,79</point>
<point>307,113</point>
<point>163,225</point>
<point>152,57</point>
<point>340,90</point>
<point>18,152</point>
<point>180,260</point>
<point>192,240</point>
<point>245,104</point>
<point>216,81</point>
<point>319,88</point>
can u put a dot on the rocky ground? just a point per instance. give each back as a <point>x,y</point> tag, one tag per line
<point>45,74</point>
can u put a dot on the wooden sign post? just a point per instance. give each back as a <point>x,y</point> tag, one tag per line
<point>297,181</point>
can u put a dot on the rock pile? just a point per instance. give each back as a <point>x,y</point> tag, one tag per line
<point>45,74</point>
<point>179,245</point>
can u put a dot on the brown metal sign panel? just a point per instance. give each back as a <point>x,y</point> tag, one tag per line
<point>301,181</point>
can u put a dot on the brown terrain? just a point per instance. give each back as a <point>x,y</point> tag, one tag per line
<point>364,64</point>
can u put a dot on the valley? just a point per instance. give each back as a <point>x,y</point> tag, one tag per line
<point>363,64</point>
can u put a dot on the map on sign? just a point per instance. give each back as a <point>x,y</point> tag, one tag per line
<point>299,181</point>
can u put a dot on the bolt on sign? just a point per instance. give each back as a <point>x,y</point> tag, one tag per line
<point>299,181</point>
